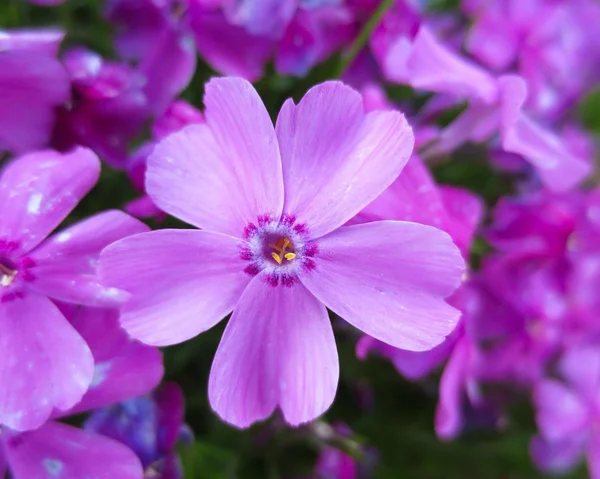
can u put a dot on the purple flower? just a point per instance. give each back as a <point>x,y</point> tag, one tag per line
<point>109,106</point>
<point>150,425</point>
<point>46,363</point>
<point>568,413</point>
<point>545,42</point>
<point>124,368</point>
<point>495,105</point>
<point>33,84</point>
<point>272,204</point>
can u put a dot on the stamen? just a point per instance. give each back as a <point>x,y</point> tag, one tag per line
<point>8,275</point>
<point>281,252</point>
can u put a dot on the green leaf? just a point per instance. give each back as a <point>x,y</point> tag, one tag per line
<point>204,461</point>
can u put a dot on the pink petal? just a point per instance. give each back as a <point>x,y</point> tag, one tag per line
<point>465,212</point>
<point>46,41</point>
<point>33,85</point>
<point>337,159</point>
<point>219,44</point>
<point>124,368</point>
<point>560,412</point>
<point>59,451</point>
<point>433,67</point>
<point>580,366</point>
<point>448,415</point>
<point>389,279</point>
<point>557,167</point>
<point>557,457</point>
<point>65,264</point>
<point>45,364</point>
<point>222,175</point>
<point>182,282</point>
<point>168,68</point>
<point>278,349</point>
<point>38,190</point>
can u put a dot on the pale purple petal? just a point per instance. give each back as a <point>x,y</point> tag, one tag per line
<point>580,367</point>
<point>337,159</point>
<point>182,282</point>
<point>265,18</point>
<point>168,67</point>
<point>278,349</point>
<point>45,41</point>
<point>433,67</point>
<point>124,368</point>
<point>557,457</point>
<point>65,264</point>
<point>45,365</point>
<point>465,212</point>
<point>558,168</point>
<point>560,412</point>
<point>389,279</point>
<point>448,415</point>
<point>38,190</point>
<point>59,451</point>
<point>33,85</point>
<point>222,175</point>
<point>414,196</point>
<point>219,42</point>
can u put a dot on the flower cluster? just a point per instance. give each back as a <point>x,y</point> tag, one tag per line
<point>312,210</point>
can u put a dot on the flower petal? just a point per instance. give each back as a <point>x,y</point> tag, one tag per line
<point>45,363</point>
<point>182,282</point>
<point>33,85</point>
<point>556,457</point>
<point>337,159</point>
<point>59,451</point>
<point>218,42</point>
<point>124,368</point>
<point>560,411</point>
<point>65,264</point>
<point>389,279</point>
<point>278,349</point>
<point>449,412</point>
<point>433,67</point>
<point>557,167</point>
<point>222,175</point>
<point>38,190</point>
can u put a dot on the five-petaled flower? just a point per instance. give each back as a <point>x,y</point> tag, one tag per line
<point>271,204</point>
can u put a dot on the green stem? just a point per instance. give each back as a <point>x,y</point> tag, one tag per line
<point>363,36</point>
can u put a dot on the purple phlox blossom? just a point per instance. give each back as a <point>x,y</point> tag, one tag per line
<point>108,109</point>
<point>297,34</point>
<point>544,42</point>
<point>47,364</point>
<point>155,35</point>
<point>568,413</point>
<point>150,425</point>
<point>124,368</point>
<point>495,105</point>
<point>272,203</point>
<point>33,84</point>
<point>175,117</point>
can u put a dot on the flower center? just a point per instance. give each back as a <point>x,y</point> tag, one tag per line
<point>281,251</point>
<point>277,249</point>
<point>7,275</point>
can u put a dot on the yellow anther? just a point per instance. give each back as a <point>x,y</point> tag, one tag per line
<point>289,256</point>
<point>276,257</point>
